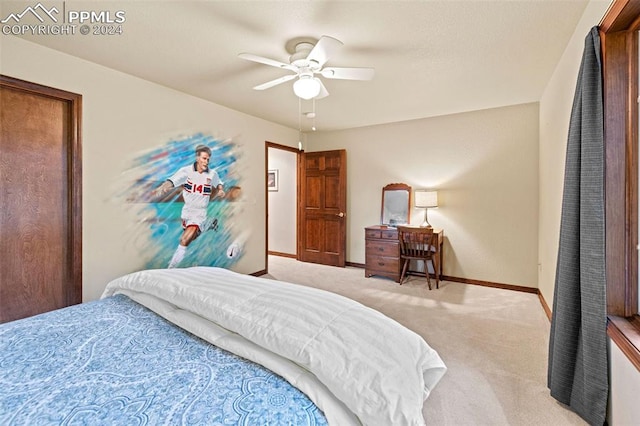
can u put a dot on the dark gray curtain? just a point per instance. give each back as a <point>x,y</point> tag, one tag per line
<point>577,374</point>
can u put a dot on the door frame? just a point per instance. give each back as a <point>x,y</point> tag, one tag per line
<point>298,153</point>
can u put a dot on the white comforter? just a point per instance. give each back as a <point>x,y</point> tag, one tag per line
<point>354,363</point>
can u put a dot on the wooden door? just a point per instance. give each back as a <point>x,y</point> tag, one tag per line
<point>323,206</point>
<point>40,199</point>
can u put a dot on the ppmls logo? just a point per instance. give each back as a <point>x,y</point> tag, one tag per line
<point>40,20</point>
<point>38,11</point>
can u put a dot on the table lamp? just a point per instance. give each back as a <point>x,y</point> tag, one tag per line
<point>426,199</point>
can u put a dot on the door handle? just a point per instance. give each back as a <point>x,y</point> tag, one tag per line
<point>340,214</point>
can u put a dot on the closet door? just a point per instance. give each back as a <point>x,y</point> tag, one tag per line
<point>40,199</point>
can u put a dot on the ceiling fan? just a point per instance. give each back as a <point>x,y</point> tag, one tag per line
<point>307,59</point>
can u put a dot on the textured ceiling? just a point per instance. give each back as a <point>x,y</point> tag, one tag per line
<point>431,57</point>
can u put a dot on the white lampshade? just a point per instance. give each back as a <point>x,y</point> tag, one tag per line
<point>306,87</point>
<point>426,199</point>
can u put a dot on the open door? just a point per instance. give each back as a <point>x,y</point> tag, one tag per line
<point>322,207</point>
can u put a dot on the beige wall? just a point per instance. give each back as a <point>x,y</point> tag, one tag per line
<point>484,165</point>
<point>555,110</point>
<point>624,389</point>
<point>124,115</point>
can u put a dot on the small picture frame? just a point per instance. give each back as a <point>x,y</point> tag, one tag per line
<point>272,180</point>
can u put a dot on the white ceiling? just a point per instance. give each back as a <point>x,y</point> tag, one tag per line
<point>431,57</point>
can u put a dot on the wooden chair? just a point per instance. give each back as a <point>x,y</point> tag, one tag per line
<point>418,244</point>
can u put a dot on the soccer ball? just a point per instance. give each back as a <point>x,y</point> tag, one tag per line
<point>233,250</point>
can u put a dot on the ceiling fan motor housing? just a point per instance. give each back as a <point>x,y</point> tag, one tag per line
<point>299,58</point>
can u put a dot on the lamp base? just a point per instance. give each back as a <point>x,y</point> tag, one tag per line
<point>426,223</point>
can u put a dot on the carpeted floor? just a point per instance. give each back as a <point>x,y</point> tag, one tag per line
<point>493,341</point>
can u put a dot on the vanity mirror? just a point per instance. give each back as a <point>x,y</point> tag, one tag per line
<point>396,204</point>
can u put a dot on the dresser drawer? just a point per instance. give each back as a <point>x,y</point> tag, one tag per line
<point>383,264</point>
<point>389,234</point>
<point>382,248</point>
<point>372,233</point>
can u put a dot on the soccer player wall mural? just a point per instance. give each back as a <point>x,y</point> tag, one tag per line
<point>188,188</point>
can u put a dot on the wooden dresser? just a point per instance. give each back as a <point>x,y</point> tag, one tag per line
<point>382,251</point>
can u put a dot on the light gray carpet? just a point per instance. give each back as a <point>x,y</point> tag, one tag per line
<point>493,341</point>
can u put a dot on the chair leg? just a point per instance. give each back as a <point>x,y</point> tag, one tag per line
<point>426,272</point>
<point>404,270</point>
<point>436,269</point>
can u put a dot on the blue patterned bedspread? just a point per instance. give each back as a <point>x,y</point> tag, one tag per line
<point>114,362</point>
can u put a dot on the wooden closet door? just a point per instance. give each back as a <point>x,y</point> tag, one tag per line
<point>322,207</point>
<point>40,199</point>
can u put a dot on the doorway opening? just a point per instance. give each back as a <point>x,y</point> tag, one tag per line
<point>281,200</point>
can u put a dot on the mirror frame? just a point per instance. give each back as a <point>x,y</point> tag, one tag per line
<point>399,187</point>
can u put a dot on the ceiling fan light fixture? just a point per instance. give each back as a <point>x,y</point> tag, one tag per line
<point>307,87</point>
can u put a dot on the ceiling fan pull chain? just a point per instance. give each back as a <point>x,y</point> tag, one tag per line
<point>299,124</point>
<point>313,125</point>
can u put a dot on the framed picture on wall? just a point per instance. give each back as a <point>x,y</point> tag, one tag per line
<point>272,180</point>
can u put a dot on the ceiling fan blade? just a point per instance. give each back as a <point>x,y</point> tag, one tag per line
<point>266,61</point>
<point>324,48</point>
<point>323,90</point>
<point>275,82</point>
<point>348,73</point>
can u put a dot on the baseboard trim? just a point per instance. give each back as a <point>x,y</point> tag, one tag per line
<point>278,253</point>
<point>490,284</point>
<point>545,306</point>
<point>476,282</point>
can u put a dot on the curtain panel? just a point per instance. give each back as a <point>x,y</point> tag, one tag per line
<point>577,372</point>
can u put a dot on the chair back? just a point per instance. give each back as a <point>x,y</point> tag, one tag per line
<point>416,242</point>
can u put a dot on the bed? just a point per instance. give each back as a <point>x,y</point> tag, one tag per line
<point>205,345</point>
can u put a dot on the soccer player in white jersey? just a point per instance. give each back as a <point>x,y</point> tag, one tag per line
<point>198,182</point>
